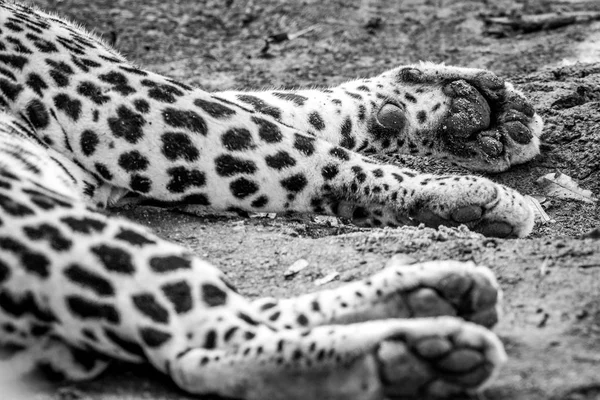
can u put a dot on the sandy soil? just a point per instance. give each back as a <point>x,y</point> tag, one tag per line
<point>551,281</point>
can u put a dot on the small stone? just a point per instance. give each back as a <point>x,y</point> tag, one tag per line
<point>295,268</point>
<point>327,278</point>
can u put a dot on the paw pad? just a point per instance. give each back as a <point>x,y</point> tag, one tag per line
<point>489,80</point>
<point>474,378</point>
<point>454,287</point>
<point>391,116</point>
<point>520,104</point>
<point>461,360</point>
<point>459,88</point>
<point>467,214</point>
<point>490,146</point>
<point>485,297</point>
<point>434,347</point>
<point>518,132</point>
<point>496,229</point>
<point>469,111</point>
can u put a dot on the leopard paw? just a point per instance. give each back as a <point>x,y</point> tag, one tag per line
<point>447,287</point>
<point>480,204</point>
<point>468,116</point>
<point>438,358</point>
<point>483,206</point>
<point>427,289</point>
<point>374,360</point>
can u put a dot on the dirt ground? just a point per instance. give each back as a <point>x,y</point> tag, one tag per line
<point>551,281</point>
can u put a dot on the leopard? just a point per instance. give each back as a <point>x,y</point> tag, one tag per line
<point>82,130</point>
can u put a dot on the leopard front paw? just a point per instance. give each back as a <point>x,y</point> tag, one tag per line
<point>482,205</point>
<point>489,129</point>
<point>468,116</point>
<point>439,358</point>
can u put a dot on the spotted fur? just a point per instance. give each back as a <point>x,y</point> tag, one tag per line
<point>81,129</point>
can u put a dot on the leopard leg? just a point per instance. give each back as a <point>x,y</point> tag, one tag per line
<point>211,331</point>
<point>432,200</point>
<point>58,362</point>
<point>427,289</point>
<point>136,131</point>
<point>62,362</point>
<point>371,360</point>
<point>464,115</point>
<point>252,162</point>
<point>41,162</point>
<point>127,294</point>
<point>468,116</point>
<point>27,345</point>
<point>301,173</point>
